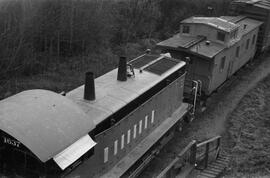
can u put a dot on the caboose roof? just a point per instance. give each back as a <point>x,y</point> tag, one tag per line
<point>198,45</point>
<point>210,50</point>
<point>181,41</point>
<point>112,95</point>
<point>265,4</point>
<point>250,24</point>
<point>214,22</point>
<point>45,122</point>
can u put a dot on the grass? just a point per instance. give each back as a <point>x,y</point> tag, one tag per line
<point>249,132</point>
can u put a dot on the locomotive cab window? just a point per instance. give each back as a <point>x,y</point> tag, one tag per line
<point>221,36</point>
<point>186,29</point>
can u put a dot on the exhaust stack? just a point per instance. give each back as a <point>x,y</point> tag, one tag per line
<point>122,69</point>
<point>89,87</point>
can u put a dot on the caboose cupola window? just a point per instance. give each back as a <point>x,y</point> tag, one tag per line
<point>221,36</point>
<point>186,29</point>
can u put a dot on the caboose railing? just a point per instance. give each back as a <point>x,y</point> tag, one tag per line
<point>192,156</point>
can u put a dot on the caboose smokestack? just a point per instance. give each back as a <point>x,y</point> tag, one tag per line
<point>89,87</point>
<point>122,69</point>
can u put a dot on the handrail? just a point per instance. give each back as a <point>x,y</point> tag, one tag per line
<point>208,141</point>
<point>170,167</point>
<point>194,159</point>
<point>187,148</point>
<point>195,88</point>
<point>205,156</point>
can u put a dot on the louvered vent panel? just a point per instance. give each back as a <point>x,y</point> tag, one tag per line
<point>142,61</point>
<point>161,66</point>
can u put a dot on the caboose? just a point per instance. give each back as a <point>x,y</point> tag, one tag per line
<point>214,47</point>
<point>101,129</point>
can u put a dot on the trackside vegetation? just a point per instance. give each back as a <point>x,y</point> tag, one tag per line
<point>50,43</point>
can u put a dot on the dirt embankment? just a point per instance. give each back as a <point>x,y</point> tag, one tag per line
<point>248,133</point>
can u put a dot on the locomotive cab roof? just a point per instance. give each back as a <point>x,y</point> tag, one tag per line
<point>46,123</point>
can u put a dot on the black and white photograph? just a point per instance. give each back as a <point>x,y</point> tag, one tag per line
<point>134,88</point>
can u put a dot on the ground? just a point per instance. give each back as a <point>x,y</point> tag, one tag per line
<point>214,120</point>
<point>248,133</point>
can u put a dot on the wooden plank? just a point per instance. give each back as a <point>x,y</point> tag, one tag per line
<point>208,175</point>
<point>212,171</point>
<point>215,166</point>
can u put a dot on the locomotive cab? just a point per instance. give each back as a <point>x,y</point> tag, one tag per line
<point>43,134</point>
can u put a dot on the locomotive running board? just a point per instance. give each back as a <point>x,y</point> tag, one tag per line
<point>129,160</point>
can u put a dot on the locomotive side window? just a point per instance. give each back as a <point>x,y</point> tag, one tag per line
<point>115,147</point>
<point>221,36</point>
<point>106,154</point>
<point>237,51</point>
<point>18,158</point>
<point>140,127</point>
<point>222,63</point>
<point>145,122</point>
<point>186,29</point>
<point>128,136</point>
<point>32,163</point>
<point>122,141</point>
<point>247,44</point>
<point>153,116</point>
<point>135,131</point>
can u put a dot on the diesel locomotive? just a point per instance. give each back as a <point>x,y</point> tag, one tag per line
<point>115,124</point>
<point>102,128</point>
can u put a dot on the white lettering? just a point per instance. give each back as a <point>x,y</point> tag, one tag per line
<point>12,142</point>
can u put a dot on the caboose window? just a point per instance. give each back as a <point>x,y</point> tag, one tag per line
<point>247,44</point>
<point>222,63</point>
<point>221,36</point>
<point>253,39</point>
<point>186,29</point>
<point>237,51</point>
